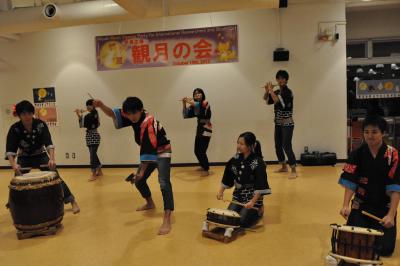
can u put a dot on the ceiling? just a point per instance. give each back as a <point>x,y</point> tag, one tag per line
<point>360,5</point>
<point>18,16</point>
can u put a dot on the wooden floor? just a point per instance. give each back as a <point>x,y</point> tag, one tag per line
<point>108,231</point>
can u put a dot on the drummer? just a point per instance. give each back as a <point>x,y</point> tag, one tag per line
<point>371,179</point>
<point>30,140</point>
<point>247,172</point>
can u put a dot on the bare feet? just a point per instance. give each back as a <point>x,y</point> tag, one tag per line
<point>75,207</point>
<point>166,225</point>
<point>148,206</point>
<point>93,177</point>
<point>99,172</point>
<point>199,169</point>
<point>293,175</point>
<point>204,173</point>
<point>282,170</point>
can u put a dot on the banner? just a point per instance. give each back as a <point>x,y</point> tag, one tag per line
<point>373,89</point>
<point>168,48</point>
<point>45,105</point>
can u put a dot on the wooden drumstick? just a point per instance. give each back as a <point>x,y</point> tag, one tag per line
<point>81,111</point>
<point>186,98</point>
<point>273,85</point>
<point>90,96</point>
<point>238,203</point>
<point>372,216</point>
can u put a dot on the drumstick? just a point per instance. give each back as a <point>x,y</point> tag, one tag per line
<point>372,216</point>
<point>187,98</point>
<point>273,85</point>
<point>90,96</point>
<point>81,111</point>
<point>238,203</point>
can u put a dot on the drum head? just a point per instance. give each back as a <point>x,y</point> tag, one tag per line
<point>224,212</point>
<point>357,230</point>
<point>35,177</point>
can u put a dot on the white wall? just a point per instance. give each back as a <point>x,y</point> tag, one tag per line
<point>373,23</point>
<point>65,58</point>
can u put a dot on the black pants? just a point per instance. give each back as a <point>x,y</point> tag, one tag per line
<point>283,144</point>
<point>387,241</point>
<point>164,168</point>
<point>248,217</point>
<point>94,159</point>
<point>200,149</point>
<point>36,161</point>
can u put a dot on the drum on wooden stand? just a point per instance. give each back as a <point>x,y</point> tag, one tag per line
<point>355,244</point>
<point>36,203</point>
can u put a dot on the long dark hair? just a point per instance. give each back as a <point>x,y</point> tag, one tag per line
<point>252,142</point>
<point>203,95</point>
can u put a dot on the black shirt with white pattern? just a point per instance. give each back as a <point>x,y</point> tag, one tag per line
<point>91,122</point>
<point>28,143</point>
<point>284,107</point>
<point>248,175</point>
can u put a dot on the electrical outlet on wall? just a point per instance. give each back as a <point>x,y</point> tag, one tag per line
<point>67,155</point>
<point>73,155</point>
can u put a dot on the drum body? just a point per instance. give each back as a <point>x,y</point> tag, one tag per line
<point>354,244</point>
<point>223,217</point>
<point>36,200</point>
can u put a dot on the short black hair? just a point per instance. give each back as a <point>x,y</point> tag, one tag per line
<point>376,121</point>
<point>24,107</point>
<point>132,105</point>
<point>89,102</point>
<point>282,74</point>
<point>199,90</point>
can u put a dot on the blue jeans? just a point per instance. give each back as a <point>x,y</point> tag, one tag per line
<point>94,159</point>
<point>283,144</point>
<point>164,168</point>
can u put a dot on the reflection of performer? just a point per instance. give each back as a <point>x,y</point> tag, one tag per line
<point>30,140</point>
<point>282,99</point>
<point>91,123</point>
<point>155,152</point>
<point>200,108</point>
<point>372,175</point>
<point>247,172</point>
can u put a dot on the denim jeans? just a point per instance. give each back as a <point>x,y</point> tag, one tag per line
<point>283,144</point>
<point>164,168</point>
<point>94,159</point>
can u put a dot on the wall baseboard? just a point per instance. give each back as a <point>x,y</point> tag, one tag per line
<point>173,165</point>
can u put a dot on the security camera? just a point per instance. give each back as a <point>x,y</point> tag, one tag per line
<point>50,11</point>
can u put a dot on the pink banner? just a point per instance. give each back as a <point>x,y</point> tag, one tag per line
<point>168,48</point>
